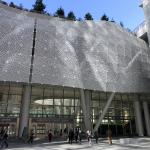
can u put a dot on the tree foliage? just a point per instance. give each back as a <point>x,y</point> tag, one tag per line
<point>60,13</point>
<point>39,6</point>
<point>12,5</point>
<point>121,24</point>
<point>71,16</point>
<point>88,16</point>
<point>105,18</point>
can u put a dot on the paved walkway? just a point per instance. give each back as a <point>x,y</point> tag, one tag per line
<point>132,144</point>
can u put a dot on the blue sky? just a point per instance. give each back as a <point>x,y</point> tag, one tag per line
<point>127,11</point>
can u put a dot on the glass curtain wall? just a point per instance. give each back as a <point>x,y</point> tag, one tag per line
<point>120,115</point>
<point>62,106</point>
<point>10,100</point>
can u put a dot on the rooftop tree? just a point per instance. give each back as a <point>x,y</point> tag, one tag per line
<point>105,18</point>
<point>121,24</point>
<point>71,16</point>
<point>12,5</point>
<point>60,13</point>
<point>39,6</point>
<point>88,16</point>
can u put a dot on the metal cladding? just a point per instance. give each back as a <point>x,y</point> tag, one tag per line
<point>146,6</point>
<point>16,32</point>
<point>91,55</point>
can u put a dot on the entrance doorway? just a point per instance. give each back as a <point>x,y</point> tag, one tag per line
<point>58,129</point>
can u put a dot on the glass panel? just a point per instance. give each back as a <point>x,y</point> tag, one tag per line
<point>77,102</point>
<point>48,92</point>
<point>58,92</point>
<point>4,89</point>
<point>58,110</point>
<point>15,90</point>
<point>68,102</point>
<point>124,97</point>
<point>95,95</point>
<point>95,103</point>
<point>58,101</point>
<point>37,91</point>
<point>47,110</point>
<point>68,110</point>
<point>68,93</point>
<point>103,96</point>
<point>77,93</point>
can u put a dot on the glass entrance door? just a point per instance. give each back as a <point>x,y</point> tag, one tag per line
<point>58,129</point>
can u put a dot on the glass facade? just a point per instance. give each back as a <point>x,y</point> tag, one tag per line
<point>59,108</point>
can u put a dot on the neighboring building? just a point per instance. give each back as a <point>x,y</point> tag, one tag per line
<point>58,74</point>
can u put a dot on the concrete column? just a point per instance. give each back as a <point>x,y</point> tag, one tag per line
<point>147,117</point>
<point>85,104</point>
<point>138,118</point>
<point>104,111</point>
<point>24,112</point>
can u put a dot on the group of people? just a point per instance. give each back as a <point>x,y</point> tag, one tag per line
<point>77,136</point>
<point>74,135</point>
<point>3,138</point>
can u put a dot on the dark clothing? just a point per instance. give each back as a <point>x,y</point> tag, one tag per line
<point>80,136</point>
<point>31,138</point>
<point>50,136</point>
<point>76,136</point>
<point>4,140</point>
<point>71,135</point>
<point>96,136</point>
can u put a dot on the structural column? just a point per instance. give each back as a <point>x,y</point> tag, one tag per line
<point>138,118</point>
<point>24,112</point>
<point>104,111</point>
<point>85,103</point>
<point>147,117</point>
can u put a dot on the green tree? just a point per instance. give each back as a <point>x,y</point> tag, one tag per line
<point>12,5</point>
<point>71,16</point>
<point>88,16</point>
<point>60,13</point>
<point>105,18</point>
<point>39,6</point>
<point>121,24</point>
<point>112,20</point>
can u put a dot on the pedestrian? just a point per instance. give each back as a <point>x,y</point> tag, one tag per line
<point>80,135</point>
<point>96,136</point>
<point>76,135</point>
<point>31,137</point>
<point>50,135</point>
<point>70,136</point>
<point>4,139</point>
<point>89,135</point>
<point>109,134</point>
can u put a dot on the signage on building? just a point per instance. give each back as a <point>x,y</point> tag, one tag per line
<point>8,120</point>
<point>54,120</point>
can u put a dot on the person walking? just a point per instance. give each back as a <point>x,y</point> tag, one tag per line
<point>109,134</point>
<point>89,135</point>
<point>96,136</point>
<point>76,135</point>
<point>50,135</point>
<point>70,136</point>
<point>80,135</point>
<point>4,139</point>
<point>31,137</point>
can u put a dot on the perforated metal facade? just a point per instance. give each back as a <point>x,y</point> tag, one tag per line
<point>91,55</point>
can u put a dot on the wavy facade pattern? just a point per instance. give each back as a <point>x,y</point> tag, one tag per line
<point>89,55</point>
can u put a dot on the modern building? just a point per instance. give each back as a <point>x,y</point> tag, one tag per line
<point>58,74</point>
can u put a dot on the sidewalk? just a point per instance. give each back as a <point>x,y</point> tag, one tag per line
<point>137,143</point>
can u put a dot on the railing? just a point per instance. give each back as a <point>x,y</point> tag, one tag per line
<point>141,29</point>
